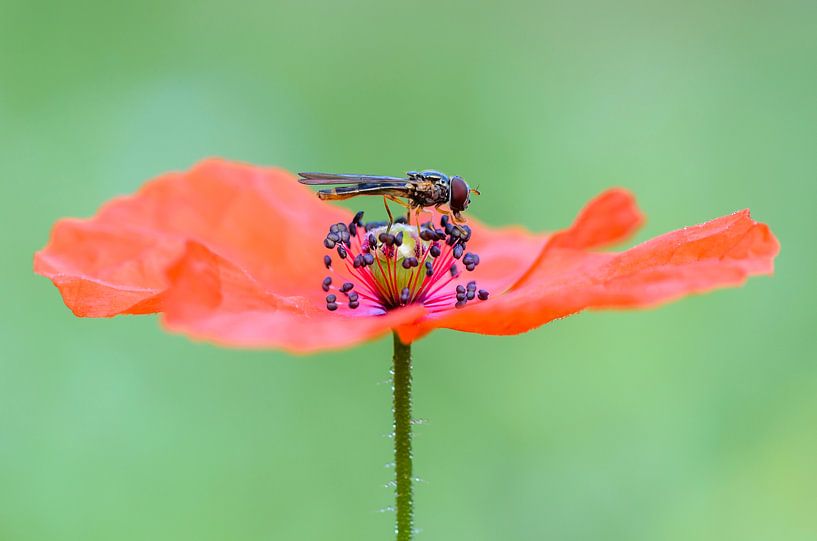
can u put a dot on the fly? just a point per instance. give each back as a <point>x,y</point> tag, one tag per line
<point>416,191</point>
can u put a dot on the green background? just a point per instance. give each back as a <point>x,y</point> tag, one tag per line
<point>694,421</point>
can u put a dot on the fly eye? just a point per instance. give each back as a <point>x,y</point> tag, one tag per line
<point>459,194</point>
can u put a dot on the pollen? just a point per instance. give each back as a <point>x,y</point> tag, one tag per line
<point>381,266</point>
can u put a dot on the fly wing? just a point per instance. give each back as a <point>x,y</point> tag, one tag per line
<point>397,189</point>
<point>334,178</point>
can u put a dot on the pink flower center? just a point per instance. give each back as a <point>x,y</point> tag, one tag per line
<point>382,267</point>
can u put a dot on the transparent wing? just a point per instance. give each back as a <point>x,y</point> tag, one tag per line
<point>367,188</point>
<point>334,178</point>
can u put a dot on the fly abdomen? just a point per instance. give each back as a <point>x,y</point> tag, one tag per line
<point>368,188</point>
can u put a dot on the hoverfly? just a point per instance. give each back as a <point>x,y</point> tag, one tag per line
<point>416,191</point>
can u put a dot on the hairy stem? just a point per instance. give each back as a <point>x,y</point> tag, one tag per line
<point>401,386</point>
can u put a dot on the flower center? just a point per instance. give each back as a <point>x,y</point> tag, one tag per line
<point>384,266</point>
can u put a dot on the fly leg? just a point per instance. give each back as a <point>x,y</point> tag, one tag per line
<point>456,217</point>
<point>420,211</point>
<point>441,210</point>
<point>400,202</point>
<point>388,211</point>
<point>458,220</point>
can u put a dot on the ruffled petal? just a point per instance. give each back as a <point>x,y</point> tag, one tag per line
<point>505,254</point>
<point>509,254</point>
<point>260,219</point>
<point>214,300</point>
<point>719,253</point>
<point>611,217</point>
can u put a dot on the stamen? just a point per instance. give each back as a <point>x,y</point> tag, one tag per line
<point>399,264</point>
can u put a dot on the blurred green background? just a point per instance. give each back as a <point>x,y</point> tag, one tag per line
<point>694,421</point>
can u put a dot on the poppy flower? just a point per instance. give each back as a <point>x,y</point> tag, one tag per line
<point>245,256</point>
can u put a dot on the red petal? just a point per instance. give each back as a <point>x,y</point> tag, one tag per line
<point>509,254</point>
<point>504,253</point>
<point>260,219</point>
<point>720,253</point>
<point>610,217</point>
<point>214,300</point>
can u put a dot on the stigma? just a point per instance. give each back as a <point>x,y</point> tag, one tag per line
<point>378,266</point>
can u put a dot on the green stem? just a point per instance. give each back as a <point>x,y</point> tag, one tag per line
<point>401,385</point>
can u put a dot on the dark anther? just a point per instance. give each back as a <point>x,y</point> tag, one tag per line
<point>326,283</point>
<point>353,229</point>
<point>470,268</point>
<point>347,286</point>
<point>444,220</point>
<point>469,259</point>
<point>372,241</point>
<point>454,270</point>
<point>405,295</point>
<point>386,238</point>
<point>331,298</point>
<point>439,233</point>
<point>470,294</point>
<point>357,220</point>
<point>375,225</point>
<point>398,239</point>
<point>327,261</point>
<point>333,228</point>
<point>434,250</point>
<point>429,268</point>
<point>331,306</point>
<point>353,304</point>
<point>460,289</point>
<point>334,237</point>
<point>358,261</point>
<point>368,259</point>
<point>460,304</point>
<point>427,234</point>
<point>329,243</point>
<point>410,262</point>
<point>455,232</point>
<point>472,285</point>
<point>458,249</point>
<point>341,251</point>
<point>483,295</point>
<point>461,296</point>
<point>353,297</point>
<point>467,236</point>
<point>400,220</point>
<point>451,240</point>
<point>342,226</point>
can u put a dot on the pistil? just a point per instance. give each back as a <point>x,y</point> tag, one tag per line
<point>383,267</point>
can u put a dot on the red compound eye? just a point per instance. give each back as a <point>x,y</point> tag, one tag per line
<point>459,194</point>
